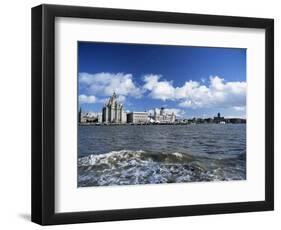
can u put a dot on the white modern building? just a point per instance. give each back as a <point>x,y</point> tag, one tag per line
<point>113,111</point>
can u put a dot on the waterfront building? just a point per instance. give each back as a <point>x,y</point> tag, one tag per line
<point>137,117</point>
<point>163,117</point>
<point>208,120</point>
<point>113,111</point>
<point>218,119</point>
<point>100,118</point>
<point>89,117</point>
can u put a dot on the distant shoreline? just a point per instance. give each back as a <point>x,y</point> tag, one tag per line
<point>151,124</point>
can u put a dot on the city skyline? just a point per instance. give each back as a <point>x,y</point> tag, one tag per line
<point>189,81</point>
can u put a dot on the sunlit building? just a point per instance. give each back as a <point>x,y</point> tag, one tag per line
<point>89,117</point>
<point>113,111</point>
<point>137,117</point>
<point>163,117</point>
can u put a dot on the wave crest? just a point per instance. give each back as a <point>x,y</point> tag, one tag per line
<point>126,167</point>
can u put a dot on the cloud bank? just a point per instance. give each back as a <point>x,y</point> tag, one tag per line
<point>212,93</point>
<point>84,99</point>
<point>194,94</point>
<point>105,84</point>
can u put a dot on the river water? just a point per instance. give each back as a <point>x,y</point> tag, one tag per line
<point>152,154</point>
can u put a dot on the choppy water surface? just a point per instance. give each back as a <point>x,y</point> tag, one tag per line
<point>125,155</point>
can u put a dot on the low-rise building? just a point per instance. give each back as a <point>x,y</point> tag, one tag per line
<point>137,117</point>
<point>89,117</point>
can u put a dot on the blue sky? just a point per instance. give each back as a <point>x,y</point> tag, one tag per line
<point>191,81</point>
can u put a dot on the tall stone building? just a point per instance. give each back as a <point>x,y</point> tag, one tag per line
<point>113,111</point>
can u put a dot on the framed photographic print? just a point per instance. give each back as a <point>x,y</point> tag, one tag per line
<point>141,114</point>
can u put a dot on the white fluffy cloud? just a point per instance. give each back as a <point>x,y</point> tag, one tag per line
<point>163,90</point>
<point>194,94</point>
<point>239,108</point>
<point>84,99</point>
<point>105,84</point>
<point>211,93</point>
<point>177,112</point>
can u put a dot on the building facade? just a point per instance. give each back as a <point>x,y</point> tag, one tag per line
<point>163,117</point>
<point>89,117</point>
<point>113,111</point>
<point>137,117</point>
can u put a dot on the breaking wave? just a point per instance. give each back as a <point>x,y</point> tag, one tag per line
<point>127,167</point>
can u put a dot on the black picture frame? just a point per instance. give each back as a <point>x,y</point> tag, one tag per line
<point>43,114</point>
